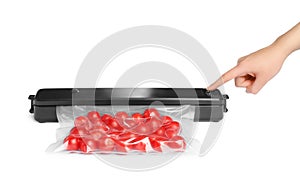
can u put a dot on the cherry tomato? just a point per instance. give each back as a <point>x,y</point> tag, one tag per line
<point>177,138</point>
<point>141,146</point>
<point>158,137</point>
<point>106,117</point>
<point>166,120</point>
<point>137,117</point>
<point>82,122</point>
<point>78,132</point>
<point>114,134</point>
<point>126,136</point>
<point>93,116</point>
<point>111,122</point>
<point>170,133</point>
<point>155,144</point>
<point>136,139</point>
<point>83,147</point>
<point>120,146</point>
<point>154,123</point>
<point>114,125</point>
<point>106,144</point>
<point>100,125</point>
<point>173,125</point>
<point>92,145</point>
<point>173,144</point>
<point>97,133</point>
<point>148,113</point>
<point>176,142</point>
<point>98,122</point>
<point>160,131</point>
<point>121,116</point>
<point>72,143</point>
<point>142,129</point>
<point>172,129</point>
<point>130,123</point>
<point>68,137</point>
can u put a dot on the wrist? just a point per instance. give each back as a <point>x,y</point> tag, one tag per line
<point>290,41</point>
<point>282,46</point>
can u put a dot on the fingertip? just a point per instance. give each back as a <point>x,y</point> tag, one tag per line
<point>215,85</point>
<point>210,88</point>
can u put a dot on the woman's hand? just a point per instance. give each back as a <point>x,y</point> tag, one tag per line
<point>256,69</point>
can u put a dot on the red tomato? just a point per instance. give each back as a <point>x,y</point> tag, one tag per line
<point>160,131</point>
<point>100,125</point>
<point>114,125</point>
<point>97,133</point>
<point>82,122</point>
<point>126,136</point>
<point>155,144</point>
<point>93,116</point>
<point>172,129</point>
<point>136,139</point>
<point>173,125</point>
<point>103,128</point>
<point>154,123</point>
<point>142,129</point>
<point>130,123</point>
<point>170,133</point>
<point>158,138</point>
<point>83,147</point>
<point>173,144</point>
<point>74,131</point>
<point>121,116</point>
<point>72,143</point>
<point>106,144</point>
<point>137,117</point>
<point>78,132</point>
<point>120,146</point>
<point>177,138</point>
<point>68,137</point>
<point>148,113</point>
<point>176,142</point>
<point>141,146</point>
<point>114,134</point>
<point>166,120</point>
<point>92,145</point>
<point>106,117</point>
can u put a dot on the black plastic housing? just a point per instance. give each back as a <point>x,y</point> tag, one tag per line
<point>209,105</point>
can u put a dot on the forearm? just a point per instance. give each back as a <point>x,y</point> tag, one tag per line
<point>290,41</point>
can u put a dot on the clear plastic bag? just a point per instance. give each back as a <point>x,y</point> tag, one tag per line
<point>128,130</point>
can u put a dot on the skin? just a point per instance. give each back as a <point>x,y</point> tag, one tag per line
<point>253,71</point>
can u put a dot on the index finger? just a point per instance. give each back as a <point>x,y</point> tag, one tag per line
<point>232,73</point>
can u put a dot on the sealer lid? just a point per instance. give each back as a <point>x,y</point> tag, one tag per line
<point>127,96</point>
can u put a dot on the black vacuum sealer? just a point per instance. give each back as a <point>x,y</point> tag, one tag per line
<point>209,105</point>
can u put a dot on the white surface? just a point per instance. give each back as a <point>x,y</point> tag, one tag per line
<point>43,44</point>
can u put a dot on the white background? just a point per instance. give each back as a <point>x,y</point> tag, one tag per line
<point>42,44</point>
